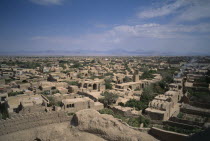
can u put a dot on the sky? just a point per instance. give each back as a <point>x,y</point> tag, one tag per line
<point>105,27</point>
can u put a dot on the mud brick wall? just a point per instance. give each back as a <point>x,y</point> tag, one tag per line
<point>164,135</point>
<point>23,122</point>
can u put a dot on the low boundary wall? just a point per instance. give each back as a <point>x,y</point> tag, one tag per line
<point>164,135</point>
<point>23,122</point>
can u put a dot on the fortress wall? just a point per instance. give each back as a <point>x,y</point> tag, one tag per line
<point>23,122</point>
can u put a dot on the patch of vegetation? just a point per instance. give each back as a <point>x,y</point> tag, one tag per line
<point>181,130</point>
<point>15,93</point>
<point>108,74</point>
<point>63,66</point>
<point>138,105</point>
<point>167,75</point>
<point>135,122</point>
<point>108,84</point>
<point>108,99</point>
<point>76,83</point>
<point>55,91</point>
<point>53,101</point>
<point>79,75</point>
<point>180,115</point>
<point>147,96</point>
<point>106,111</point>
<point>76,65</point>
<point>127,68</point>
<point>7,81</point>
<point>66,71</point>
<point>63,61</point>
<point>200,96</point>
<point>70,114</point>
<point>159,87</point>
<point>148,74</point>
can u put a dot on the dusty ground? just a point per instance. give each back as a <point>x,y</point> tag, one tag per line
<point>53,132</point>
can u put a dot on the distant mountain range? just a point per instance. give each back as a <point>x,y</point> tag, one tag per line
<point>111,52</point>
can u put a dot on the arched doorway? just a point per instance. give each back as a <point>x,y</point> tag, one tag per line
<point>94,86</point>
<point>85,85</point>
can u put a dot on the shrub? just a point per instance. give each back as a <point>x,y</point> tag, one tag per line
<point>106,111</point>
<point>135,122</point>
<point>180,115</point>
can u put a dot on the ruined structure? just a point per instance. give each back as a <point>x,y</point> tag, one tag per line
<point>76,104</point>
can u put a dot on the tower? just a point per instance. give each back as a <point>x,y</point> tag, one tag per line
<point>136,76</point>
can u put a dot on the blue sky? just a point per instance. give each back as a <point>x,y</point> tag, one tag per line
<point>105,27</point>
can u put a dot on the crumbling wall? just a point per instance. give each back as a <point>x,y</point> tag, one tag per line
<point>23,122</point>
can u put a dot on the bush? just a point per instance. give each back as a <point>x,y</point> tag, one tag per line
<point>138,105</point>
<point>53,101</point>
<point>180,115</point>
<point>135,122</point>
<point>110,112</point>
<point>106,111</point>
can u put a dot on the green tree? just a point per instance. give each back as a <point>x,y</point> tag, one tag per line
<point>148,74</point>
<point>108,84</point>
<point>109,98</point>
